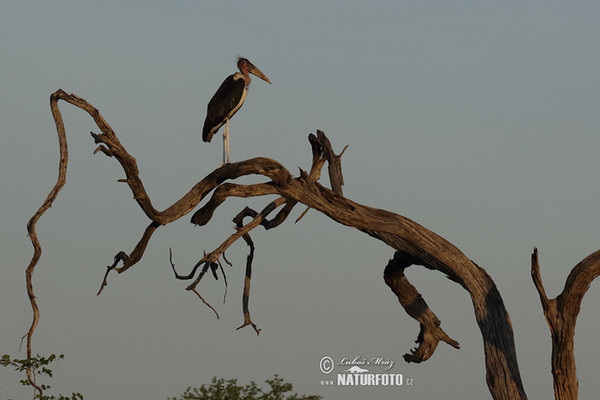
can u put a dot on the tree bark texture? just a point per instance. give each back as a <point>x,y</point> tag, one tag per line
<point>561,315</point>
<point>413,245</point>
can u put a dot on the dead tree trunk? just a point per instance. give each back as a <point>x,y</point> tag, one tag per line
<point>413,244</point>
<point>561,315</point>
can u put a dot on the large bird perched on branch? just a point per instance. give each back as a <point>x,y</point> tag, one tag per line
<point>228,99</point>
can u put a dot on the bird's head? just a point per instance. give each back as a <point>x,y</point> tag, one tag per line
<point>245,67</point>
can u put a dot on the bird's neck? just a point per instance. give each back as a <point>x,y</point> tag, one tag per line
<point>245,75</point>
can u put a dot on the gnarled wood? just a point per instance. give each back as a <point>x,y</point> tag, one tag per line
<point>561,314</point>
<point>412,241</point>
<point>414,245</point>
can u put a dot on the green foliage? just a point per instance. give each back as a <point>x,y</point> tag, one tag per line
<point>221,389</point>
<point>38,366</point>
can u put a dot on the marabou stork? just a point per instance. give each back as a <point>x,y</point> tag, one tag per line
<point>228,99</point>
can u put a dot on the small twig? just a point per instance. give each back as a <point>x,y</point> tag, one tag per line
<point>224,279</point>
<point>213,256</point>
<point>130,259</point>
<point>302,215</point>
<point>203,261</point>
<point>120,256</point>
<point>226,260</point>
<point>193,289</point>
<point>205,302</point>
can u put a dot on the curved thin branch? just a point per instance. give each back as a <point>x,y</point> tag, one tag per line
<point>246,294</point>
<point>131,259</point>
<point>37,248</point>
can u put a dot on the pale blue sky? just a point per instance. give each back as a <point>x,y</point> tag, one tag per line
<point>477,119</point>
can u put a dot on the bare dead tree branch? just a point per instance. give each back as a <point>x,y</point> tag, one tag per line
<point>414,245</point>
<point>561,314</point>
<point>37,248</point>
<point>130,259</point>
<point>247,278</point>
<point>415,306</point>
<point>399,232</point>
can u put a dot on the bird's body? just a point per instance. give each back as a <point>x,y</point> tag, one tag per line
<point>228,99</point>
<point>225,103</point>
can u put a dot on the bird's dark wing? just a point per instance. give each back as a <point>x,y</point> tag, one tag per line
<point>221,106</point>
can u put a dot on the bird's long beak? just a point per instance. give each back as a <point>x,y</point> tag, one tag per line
<point>257,72</point>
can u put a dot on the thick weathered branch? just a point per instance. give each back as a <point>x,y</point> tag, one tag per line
<point>414,243</point>
<point>433,252</point>
<point>225,190</point>
<point>561,314</point>
<point>412,301</point>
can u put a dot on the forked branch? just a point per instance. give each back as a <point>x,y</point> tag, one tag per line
<point>414,244</point>
<point>561,314</point>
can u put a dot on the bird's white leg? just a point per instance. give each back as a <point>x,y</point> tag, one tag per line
<point>226,142</point>
<point>227,133</point>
